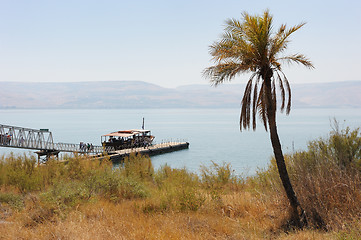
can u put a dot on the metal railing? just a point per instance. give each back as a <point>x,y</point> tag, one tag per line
<point>169,142</point>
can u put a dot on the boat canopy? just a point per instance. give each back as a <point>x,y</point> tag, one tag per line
<point>126,133</point>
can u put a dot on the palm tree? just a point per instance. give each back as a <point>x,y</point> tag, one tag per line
<point>251,46</point>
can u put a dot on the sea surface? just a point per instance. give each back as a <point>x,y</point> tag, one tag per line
<point>213,134</point>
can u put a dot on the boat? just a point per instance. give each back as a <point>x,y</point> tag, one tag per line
<point>126,139</point>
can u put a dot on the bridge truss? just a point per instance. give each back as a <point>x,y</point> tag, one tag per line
<point>27,138</point>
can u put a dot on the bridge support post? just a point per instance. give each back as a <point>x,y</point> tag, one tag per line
<point>48,154</point>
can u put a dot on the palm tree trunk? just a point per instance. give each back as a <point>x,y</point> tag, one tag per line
<point>298,213</point>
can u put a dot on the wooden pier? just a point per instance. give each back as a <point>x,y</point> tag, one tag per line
<point>155,149</point>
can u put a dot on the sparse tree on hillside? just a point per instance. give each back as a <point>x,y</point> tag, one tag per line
<point>251,46</point>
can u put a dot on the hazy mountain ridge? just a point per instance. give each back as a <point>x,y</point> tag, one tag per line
<point>136,94</point>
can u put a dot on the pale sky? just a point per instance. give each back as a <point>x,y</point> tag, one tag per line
<point>164,42</point>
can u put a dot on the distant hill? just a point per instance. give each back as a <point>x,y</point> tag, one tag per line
<point>136,94</point>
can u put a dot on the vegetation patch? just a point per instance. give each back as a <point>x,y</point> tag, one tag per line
<point>81,197</point>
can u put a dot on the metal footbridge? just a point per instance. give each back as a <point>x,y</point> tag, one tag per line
<point>42,140</point>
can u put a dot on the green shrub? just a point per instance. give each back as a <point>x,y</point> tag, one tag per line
<point>190,199</point>
<point>175,199</point>
<point>14,200</point>
<point>75,169</point>
<point>2,171</point>
<point>217,177</point>
<point>52,172</point>
<point>130,188</point>
<point>177,190</point>
<point>112,185</point>
<point>64,196</point>
<point>137,166</point>
<point>101,183</point>
<point>343,147</point>
<point>21,173</point>
<point>167,176</point>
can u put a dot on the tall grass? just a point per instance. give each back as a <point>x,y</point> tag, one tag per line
<point>20,173</point>
<point>175,190</point>
<point>220,177</point>
<point>326,178</point>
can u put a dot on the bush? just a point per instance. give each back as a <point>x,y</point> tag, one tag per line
<point>177,199</point>
<point>64,196</point>
<point>176,190</point>
<point>52,172</point>
<point>2,171</point>
<point>130,189</point>
<point>137,166</point>
<point>21,173</point>
<point>80,167</point>
<point>342,147</point>
<point>217,177</point>
<point>15,201</point>
<point>112,185</point>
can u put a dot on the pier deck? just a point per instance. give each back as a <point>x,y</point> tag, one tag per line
<point>156,149</point>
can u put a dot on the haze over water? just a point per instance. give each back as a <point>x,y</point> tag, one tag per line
<point>213,134</point>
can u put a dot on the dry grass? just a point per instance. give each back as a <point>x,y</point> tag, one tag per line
<point>240,216</point>
<point>107,220</point>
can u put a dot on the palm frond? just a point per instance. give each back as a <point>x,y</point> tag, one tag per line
<point>281,39</point>
<point>285,89</point>
<point>254,104</point>
<point>297,58</point>
<point>234,26</point>
<point>292,30</point>
<point>274,94</point>
<point>224,72</point>
<point>245,106</point>
<point>288,89</point>
<point>262,105</point>
<point>282,90</point>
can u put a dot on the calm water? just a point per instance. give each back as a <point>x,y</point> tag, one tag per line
<point>213,133</point>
